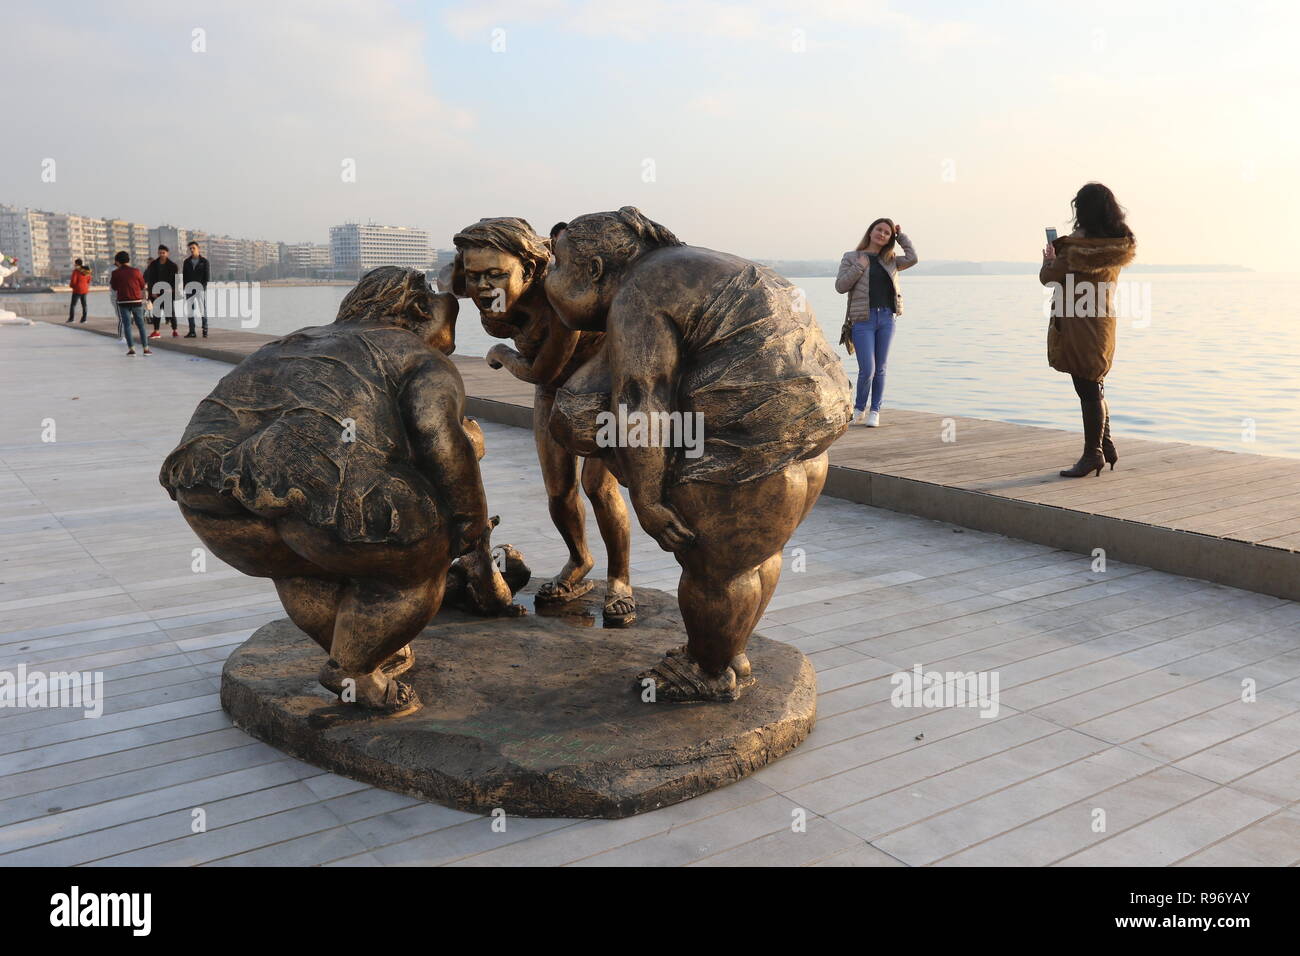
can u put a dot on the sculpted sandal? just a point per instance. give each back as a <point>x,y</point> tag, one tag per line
<point>331,677</point>
<point>562,592</point>
<point>678,679</point>
<point>399,699</point>
<point>619,610</point>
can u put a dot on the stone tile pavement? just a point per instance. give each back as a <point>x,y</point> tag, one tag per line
<point>1121,735</point>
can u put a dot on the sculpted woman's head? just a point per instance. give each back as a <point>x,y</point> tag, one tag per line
<point>591,253</point>
<point>403,297</point>
<point>497,261</point>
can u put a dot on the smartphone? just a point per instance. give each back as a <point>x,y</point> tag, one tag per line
<point>1051,234</point>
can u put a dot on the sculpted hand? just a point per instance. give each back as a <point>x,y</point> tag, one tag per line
<point>666,527</point>
<point>498,355</point>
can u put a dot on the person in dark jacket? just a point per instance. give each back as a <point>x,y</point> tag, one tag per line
<point>194,275</point>
<point>160,277</point>
<point>1083,269</point>
<point>80,282</point>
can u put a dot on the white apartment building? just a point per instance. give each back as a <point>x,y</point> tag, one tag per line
<point>234,259</point>
<point>76,237</point>
<point>304,258</point>
<point>24,234</point>
<point>129,237</point>
<point>356,248</point>
<point>171,237</point>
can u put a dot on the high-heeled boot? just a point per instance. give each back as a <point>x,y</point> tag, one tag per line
<point>1092,460</point>
<point>1107,446</point>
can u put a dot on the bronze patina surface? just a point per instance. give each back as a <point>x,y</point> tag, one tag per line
<point>337,462</point>
<point>531,715</point>
<point>500,266</point>
<point>708,337</point>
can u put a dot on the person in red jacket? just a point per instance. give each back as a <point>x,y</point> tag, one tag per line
<point>127,283</point>
<point>80,282</point>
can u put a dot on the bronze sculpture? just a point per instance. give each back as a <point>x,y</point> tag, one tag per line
<point>697,332</point>
<point>501,265</point>
<point>337,462</point>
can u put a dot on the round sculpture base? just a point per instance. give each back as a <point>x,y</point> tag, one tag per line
<point>537,715</point>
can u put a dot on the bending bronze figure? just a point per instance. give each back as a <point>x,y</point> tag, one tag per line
<point>501,265</point>
<point>694,332</point>
<point>336,462</point>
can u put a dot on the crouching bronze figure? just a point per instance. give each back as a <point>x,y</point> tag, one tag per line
<point>336,462</point>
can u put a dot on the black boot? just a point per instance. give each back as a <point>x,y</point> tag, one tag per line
<point>1107,446</point>
<point>1094,417</point>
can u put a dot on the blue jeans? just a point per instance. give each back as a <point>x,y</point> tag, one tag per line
<point>871,338</point>
<point>195,305</point>
<point>126,314</point>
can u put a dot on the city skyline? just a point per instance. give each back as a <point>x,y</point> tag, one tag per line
<point>54,238</point>
<point>761,129</point>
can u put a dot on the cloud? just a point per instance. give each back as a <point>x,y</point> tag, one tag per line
<point>279,95</point>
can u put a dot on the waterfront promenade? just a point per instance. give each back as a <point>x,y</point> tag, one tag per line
<point>1120,691</point>
<point>1222,516</point>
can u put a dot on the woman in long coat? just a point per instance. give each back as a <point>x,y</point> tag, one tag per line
<point>1083,268</point>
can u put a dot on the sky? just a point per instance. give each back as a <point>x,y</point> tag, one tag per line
<point>767,129</point>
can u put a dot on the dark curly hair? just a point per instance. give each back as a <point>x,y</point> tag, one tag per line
<point>1099,214</point>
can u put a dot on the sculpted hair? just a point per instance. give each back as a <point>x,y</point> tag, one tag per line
<point>887,249</point>
<point>389,292</point>
<point>1099,214</point>
<point>617,236</point>
<point>508,234</point>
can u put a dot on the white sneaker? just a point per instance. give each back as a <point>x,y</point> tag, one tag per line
<point>873,420</point>
<point>860,418</point>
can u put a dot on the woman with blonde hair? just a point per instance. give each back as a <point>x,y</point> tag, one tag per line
<point>869,274</point>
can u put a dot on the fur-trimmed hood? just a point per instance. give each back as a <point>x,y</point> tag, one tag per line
<point>1095,255</point>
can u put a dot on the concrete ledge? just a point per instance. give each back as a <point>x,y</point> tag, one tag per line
<point>1236,564</point>
<point>502,413</point>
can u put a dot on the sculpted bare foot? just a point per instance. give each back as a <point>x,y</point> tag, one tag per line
<point>620,604</point>
<point>569,584</point>
<point>678,679</point>
<point>740,664</point>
